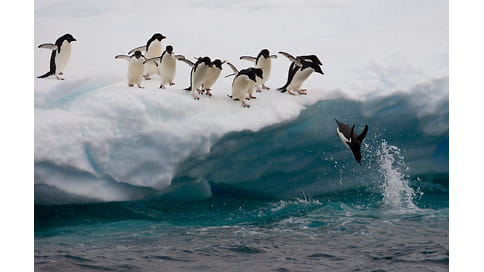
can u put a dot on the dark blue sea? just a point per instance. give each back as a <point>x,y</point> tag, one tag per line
<point>289,197</point>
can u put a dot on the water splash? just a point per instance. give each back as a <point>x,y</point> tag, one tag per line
<point>397,194</point>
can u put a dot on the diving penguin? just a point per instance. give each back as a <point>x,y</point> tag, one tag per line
<point>350,139</point>
<point>135,67</point>
<point>61,52</point>
<point>153,49</point>
<point>299,70</point>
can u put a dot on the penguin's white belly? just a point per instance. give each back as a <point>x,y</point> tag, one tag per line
<point>252,84</point>
<point>240,86</point>
<point>343,138</point>
<point>198,76</point>
<point>154,51</point>
<point>168,69</point>
<point>299,78</point>
<point>135,71</point>
<point>265,65</point>
<point>211,77</point>
<point>62,58</point>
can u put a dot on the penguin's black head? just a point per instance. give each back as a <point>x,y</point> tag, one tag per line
<point>67,37</point>
<point>169,49</point>
<point>317,68</point>
<point>158,36</point>
<point>137,54</point>
<point>265,53</point>
<point>206,61</point>
<point>251,75</point>
<point>258,72</point>
<point>217,63</point>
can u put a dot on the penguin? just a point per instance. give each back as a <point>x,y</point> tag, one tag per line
<point>350,139</point>
<point>167,66</point>
<point>135,68</point>
<point>243,80</point>
<point>61,52</point>
<point>258,79</point>
<point>212,76</point>
<point>262,61</point>
<point>197,75</point>
<point>153,49</point>
<point>299,70</point>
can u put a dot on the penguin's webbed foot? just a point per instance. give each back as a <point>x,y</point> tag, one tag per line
<point>147,77</point>
<point>252,97</point>
<point>162,87</point>
<point>265,87</point>
<point>303,91</point>
<point>171,83</point>
<point>200,91</point>
<point>130,85</point>
<point>245,105</point>
<point>291,92</point>
<point>141,87</point>
<point>61,74</point>
<point>59,78</point>
<point>208,92</point>
<point>247,98</point>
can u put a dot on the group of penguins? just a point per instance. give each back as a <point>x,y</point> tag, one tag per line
<point>205,72</point>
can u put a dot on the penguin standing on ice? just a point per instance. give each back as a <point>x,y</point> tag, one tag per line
<point>262,61</point>
<point>135,68</point>
<point>301,68</point>
<point>153,49</point>
<point>244,79</point>
<point>61,52</point>
<point>167,66</point>
<point>351,139</point>
<point>212,76</point>
<point>258,79</point>
<point>197,75</point>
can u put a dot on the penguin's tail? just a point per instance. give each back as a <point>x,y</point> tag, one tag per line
<point>188,89</point>
<point>46,74</point>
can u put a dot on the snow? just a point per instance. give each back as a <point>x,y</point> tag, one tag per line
<point>113,136</point>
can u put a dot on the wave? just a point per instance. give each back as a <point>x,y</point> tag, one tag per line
<point>83,157</point>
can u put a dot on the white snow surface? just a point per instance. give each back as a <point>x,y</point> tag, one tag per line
<point>93,123</point>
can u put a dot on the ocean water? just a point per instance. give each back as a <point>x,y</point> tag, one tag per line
<point>289,197</point>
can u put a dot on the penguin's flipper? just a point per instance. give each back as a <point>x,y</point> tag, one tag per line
<point>273,57</point>
<point>363,134</point>
<point>248,58</point>
<point>139,48</point>
<point>291,58</point>
<point>189,62</point>
<point>153,61</point>
<point>49,46</point>
<point>179,57</point>
<point>123,57</point>
<point>233,67</point>
<point>233,74</point>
